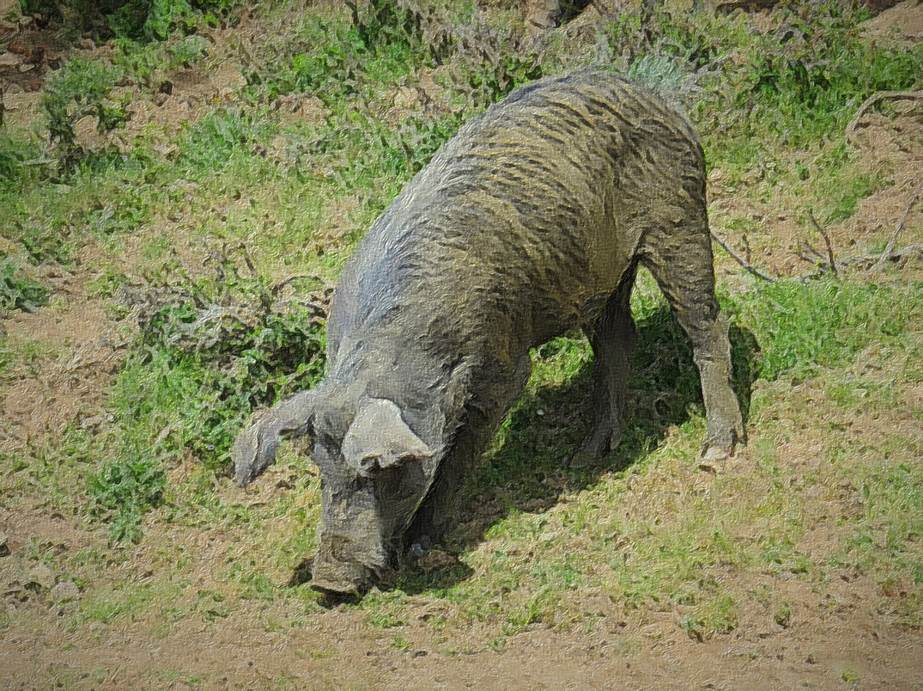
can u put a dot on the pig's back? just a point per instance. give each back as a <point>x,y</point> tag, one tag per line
<point>531,211</point>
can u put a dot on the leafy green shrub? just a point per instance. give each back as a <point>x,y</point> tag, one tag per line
<point>81,88</point>
<point>18,291</point>
<point>149,63</point>
<point>123,490</point>
<point>229,345</point>
<point>149,20</point>
<point>166,16</point>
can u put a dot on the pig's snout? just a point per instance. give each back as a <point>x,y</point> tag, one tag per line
<point>341,567</point>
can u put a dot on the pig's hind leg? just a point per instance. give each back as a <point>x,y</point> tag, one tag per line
<point>612,337</point>
<point>680,258</point>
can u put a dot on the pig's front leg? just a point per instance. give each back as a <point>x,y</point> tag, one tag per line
<point>493,396</point>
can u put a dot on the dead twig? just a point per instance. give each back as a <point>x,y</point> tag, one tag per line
<point>809,249</point>
<point>831,262</point>
<point>281,285</point>
<point>808,253</point>
<point>740,260</point>
<point>892,242</point>
<point>868,260</point>
<point>875,98</point>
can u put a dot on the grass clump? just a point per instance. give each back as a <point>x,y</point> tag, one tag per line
<point>20,164</point>
<point>123,490</point>
<point>714,617</point>
<point>209,353</point>
<point>213,143</point>
<point>80,89</point>
<point>18,292</point>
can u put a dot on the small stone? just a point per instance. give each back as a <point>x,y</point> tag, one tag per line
<point>91,423</point>
<point>10,59</point>
<point>87,44</point>
<point>40,577</point>
<point>65,591</point>
<point>25,67</point>
<point>86,131</point>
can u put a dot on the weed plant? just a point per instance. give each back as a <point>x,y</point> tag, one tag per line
<point>18,292</point>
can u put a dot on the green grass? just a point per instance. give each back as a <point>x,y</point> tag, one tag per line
<point>804,327</point>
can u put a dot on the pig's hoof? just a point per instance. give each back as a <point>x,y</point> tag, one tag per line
<point>593,450</point>
<point>302,572</point>
<point>714,458</point>
<point>583,459</point>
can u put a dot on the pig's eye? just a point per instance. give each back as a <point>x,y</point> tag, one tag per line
<point>367,465</point>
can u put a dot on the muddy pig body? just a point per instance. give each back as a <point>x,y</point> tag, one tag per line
<point>532,220</point>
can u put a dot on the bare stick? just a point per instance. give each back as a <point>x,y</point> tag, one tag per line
<point>830,260</point>
<point>866,259</point>
<point>875,98</point>
<point>740,260</point>
<point>808,252</point>
<point>278,287</point>
<point>889,248</point>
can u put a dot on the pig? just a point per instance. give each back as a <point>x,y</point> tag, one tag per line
<point>530,222</point>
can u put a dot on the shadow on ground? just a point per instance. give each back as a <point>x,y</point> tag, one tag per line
<point>527,469</point>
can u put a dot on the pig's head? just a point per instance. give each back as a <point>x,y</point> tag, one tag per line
<point>375,471</point>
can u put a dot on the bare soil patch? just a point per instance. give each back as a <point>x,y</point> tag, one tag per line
<point>901,25</point>
<point>890,150</point>
<point>80,350</point>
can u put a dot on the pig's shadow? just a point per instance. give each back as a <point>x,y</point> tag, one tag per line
<point>527,470</point>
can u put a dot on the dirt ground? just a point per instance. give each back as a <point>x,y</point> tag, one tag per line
<point>837,636</point>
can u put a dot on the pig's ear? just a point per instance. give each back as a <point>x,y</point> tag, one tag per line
<point>379,439</point>
<point>255,447</point>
